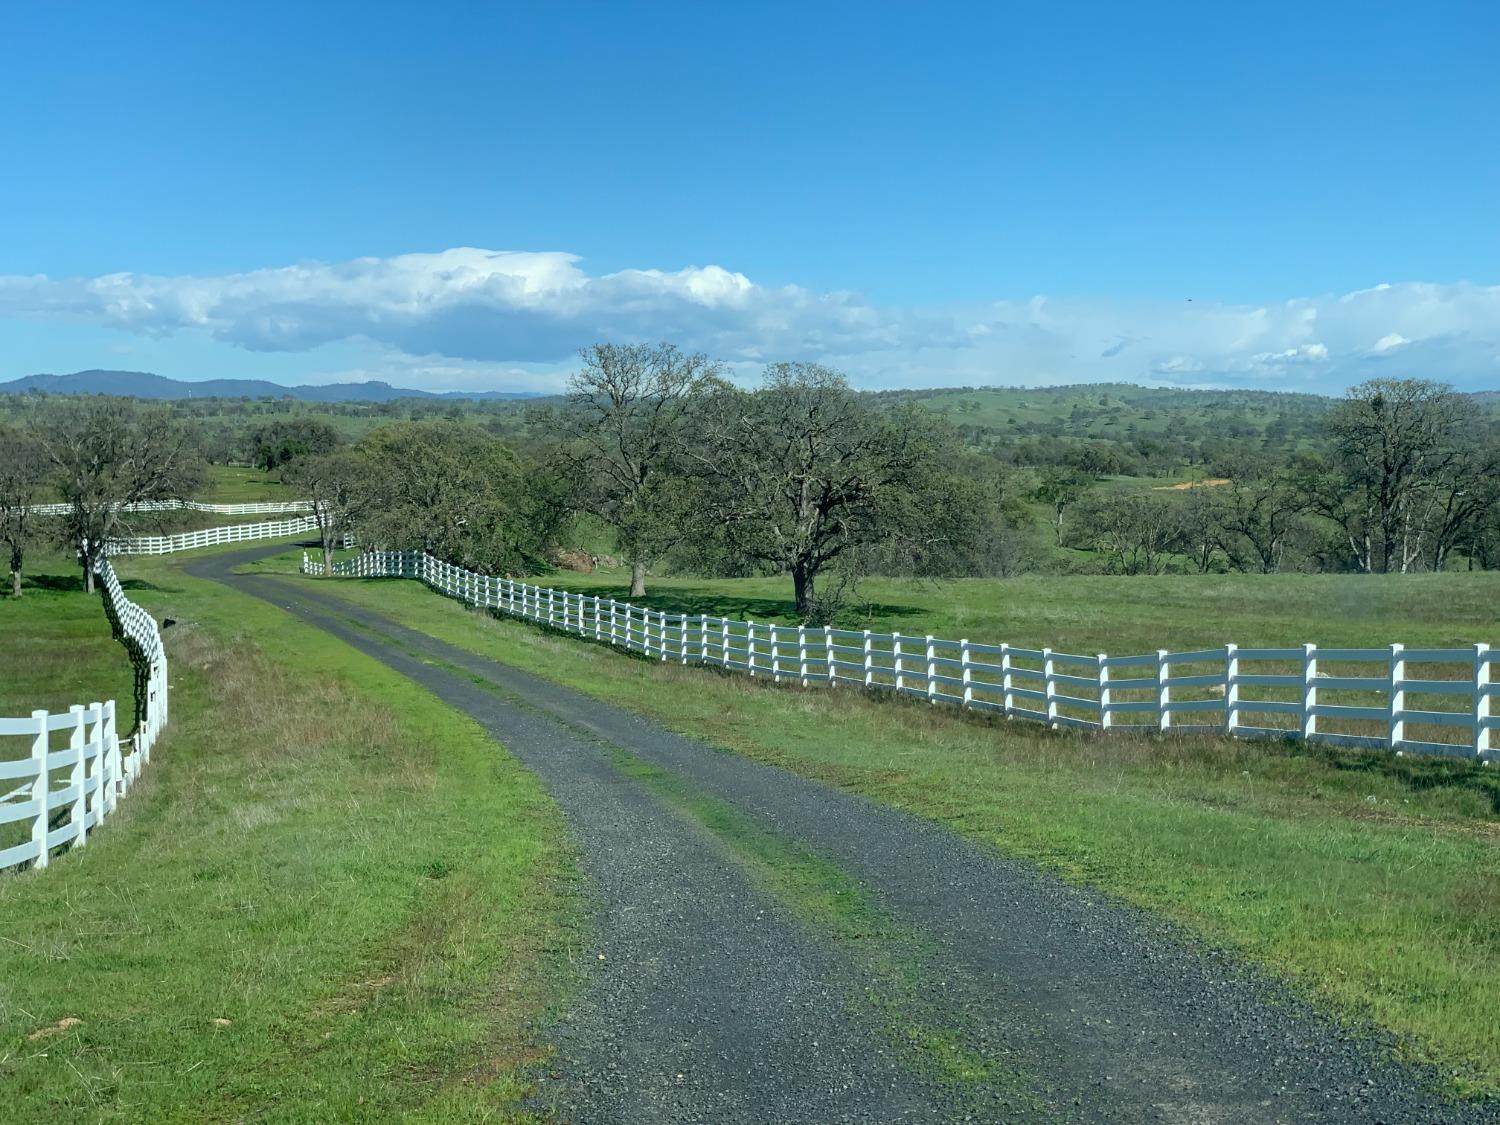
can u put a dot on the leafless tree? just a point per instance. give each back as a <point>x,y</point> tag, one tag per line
<point>108,453</point>
<point>1393,439</point>
<point>24,473</point>
<point>624,430</point>
<point>804,472</point>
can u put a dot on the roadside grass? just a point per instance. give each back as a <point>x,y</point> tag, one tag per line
<point>1371,883</point>
<point>330,897</point>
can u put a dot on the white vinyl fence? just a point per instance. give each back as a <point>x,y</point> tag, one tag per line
<point>1427,701</point>
<point>70,765</point>
<point>258,508</point>
<point>211,536</point>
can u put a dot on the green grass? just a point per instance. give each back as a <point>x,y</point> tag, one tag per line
<point>232,484</point>
<point>1370,884</point>
<point>1118,615</point>
<point>59,647</point>
<point>330,897</point>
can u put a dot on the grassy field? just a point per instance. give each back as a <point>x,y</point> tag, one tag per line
<point>1120,615</point>
<point>231,484</point>
<point>1370,882</point>
<point>330,896</point>
<point>70,655</point>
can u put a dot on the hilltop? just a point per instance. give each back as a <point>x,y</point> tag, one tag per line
<point>143,384</point>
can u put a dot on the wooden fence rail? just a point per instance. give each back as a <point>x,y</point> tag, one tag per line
<point>72,767</point>
<point>1426,701</point>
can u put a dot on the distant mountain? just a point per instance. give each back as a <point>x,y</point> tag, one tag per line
<point>143,384</point>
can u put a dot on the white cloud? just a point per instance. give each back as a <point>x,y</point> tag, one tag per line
<point>463,315</point>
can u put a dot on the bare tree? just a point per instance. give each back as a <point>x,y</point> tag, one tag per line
<point>805,472</point>
<point>1393,438</point>
<point>625,429</point>
<point>24,472</point>
<point>1259,510</point>
<point>108,453</point>
<point>1060,489</point>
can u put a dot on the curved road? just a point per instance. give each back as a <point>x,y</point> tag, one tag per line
<point>773,950</point>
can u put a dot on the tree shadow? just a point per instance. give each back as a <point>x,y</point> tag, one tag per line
<point>693,600</point>
<point>53,583</point>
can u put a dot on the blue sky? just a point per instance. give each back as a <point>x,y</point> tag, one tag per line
<point>1280,195</point>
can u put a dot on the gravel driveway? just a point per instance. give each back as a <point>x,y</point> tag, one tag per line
<point>983,989</point>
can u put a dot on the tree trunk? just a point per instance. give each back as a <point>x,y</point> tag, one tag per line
<point>15,581</point>
<point>88,569</point>
<point>637,579</point>
<point>327,559</point>
<point>802,587</point>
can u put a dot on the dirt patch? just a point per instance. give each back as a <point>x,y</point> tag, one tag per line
<point>1210,482</point>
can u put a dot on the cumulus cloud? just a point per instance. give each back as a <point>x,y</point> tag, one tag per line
<point>454,314</point>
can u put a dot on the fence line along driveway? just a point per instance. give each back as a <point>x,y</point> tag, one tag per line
<point>79,784</point>
<point>1426,701</point>
<point>211,536</point>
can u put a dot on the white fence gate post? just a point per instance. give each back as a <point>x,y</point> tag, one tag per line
<point>1231,688</point>
<point>39,787</point>
<point>1007,695</point>
<point>78,744</point>
<point>829,669</point>
<point>1106,716</point>
<point>896,661</point>
<point>1309,691</point>
<point>968,673</point>
<point>1396,726</point>
<point>1049,685</point>
<point>1163,690</point>
<point>750,645</point>
<point>869,661</point>
<point>1482,708</point>
<point>802,653</point>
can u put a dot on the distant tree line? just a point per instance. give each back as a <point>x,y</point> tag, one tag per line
<point>654,456</point>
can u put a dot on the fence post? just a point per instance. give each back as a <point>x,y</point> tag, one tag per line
<point>802,653</point>
<point>661,634</point>
<point>111,776</point>
<point>828,666</point>
<point>39,786</point>
<point>682,638</point>
<point>78,744</point>
<point>869,662</point>
<point>750,644</point>
<point>551,607</point>
<point>1309,691</point>
<point>1007,696</point>
<point>703,638</point>
<point>931,670</point>
<point>896,661</point>
<point>1106,717</point>
<point>1049,686</point>
<point>1396,732</point>
<point>724,642</point>
<point>775,657</point>
<point>598,624</point>
<point>968,674</point>
<point>1482,709</point>
<point>1163,690</point>
<point>1231,689</point>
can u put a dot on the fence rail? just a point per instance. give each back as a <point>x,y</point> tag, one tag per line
<point>73,770</point>
<point>211,536</point>
<point>1426,701</point>
<point>256,508</point>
